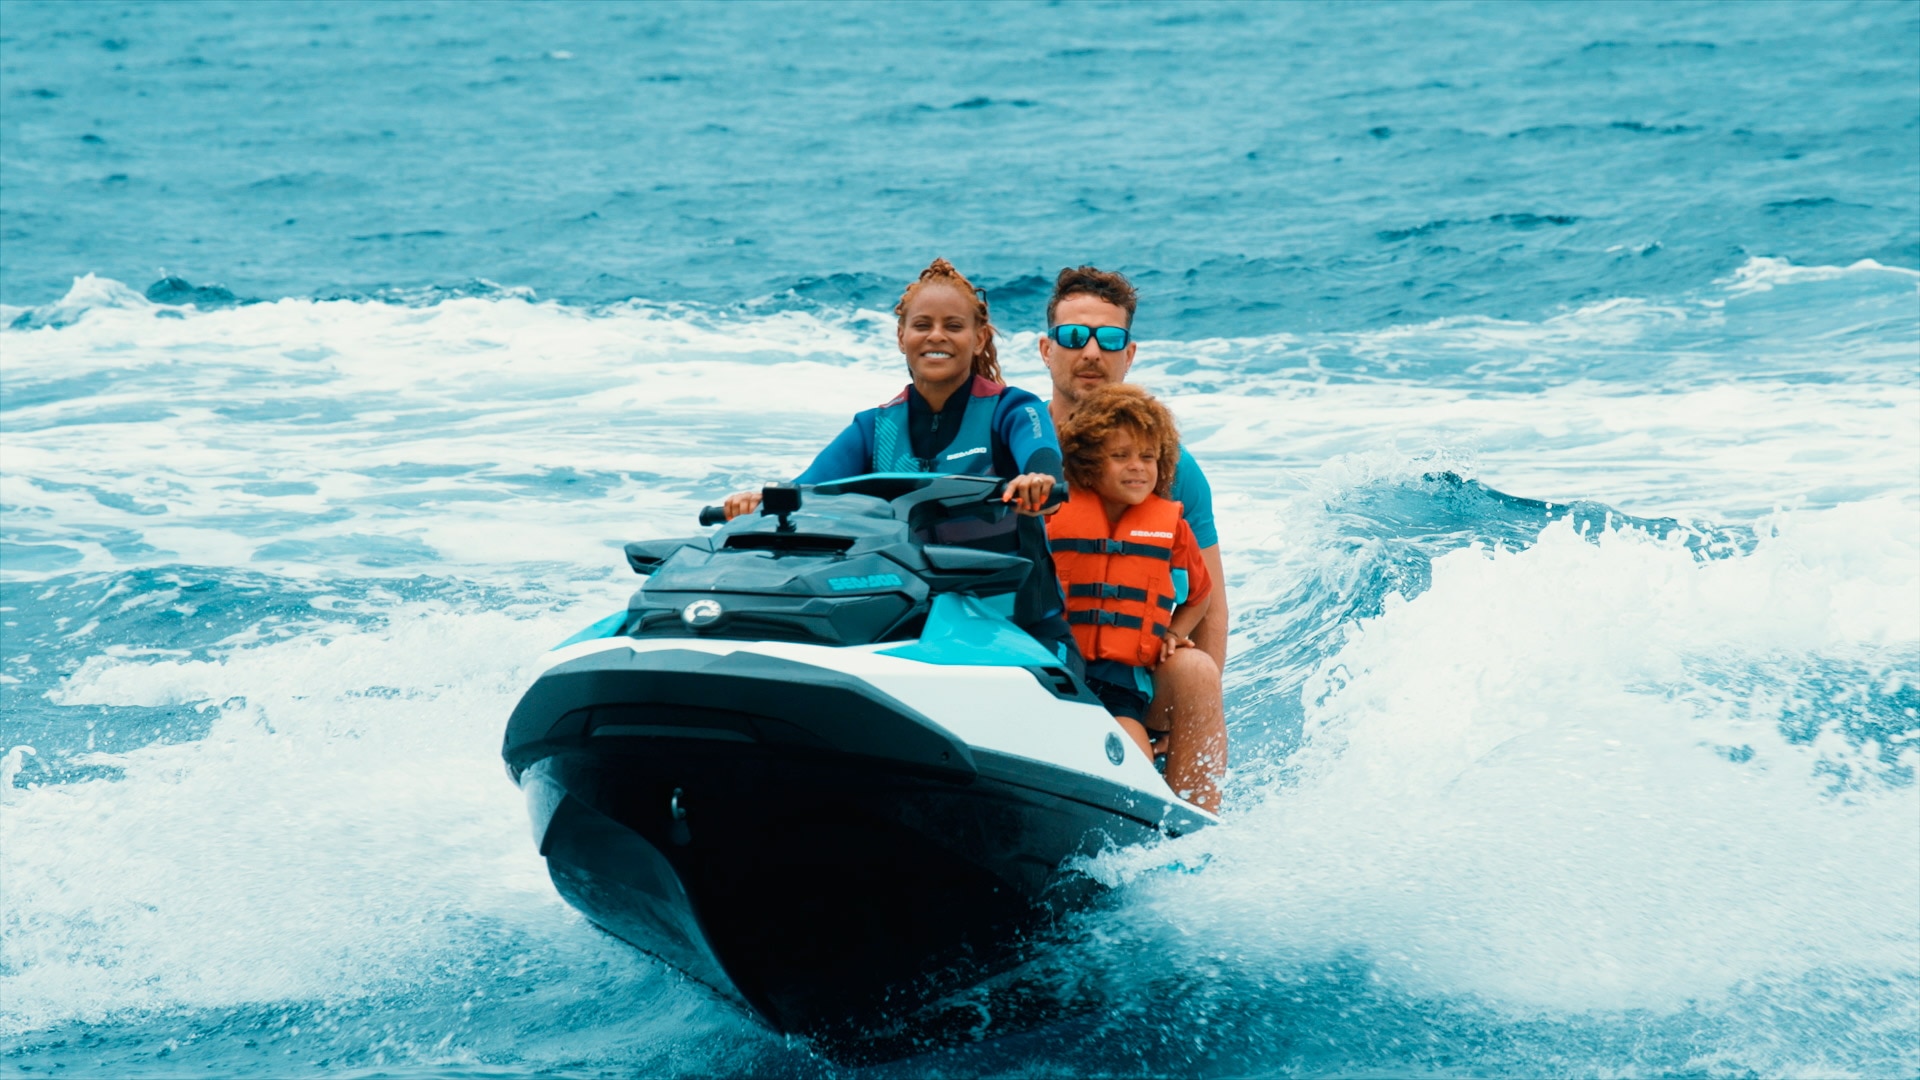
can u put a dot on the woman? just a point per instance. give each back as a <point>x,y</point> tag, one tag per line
<point>956,416</point>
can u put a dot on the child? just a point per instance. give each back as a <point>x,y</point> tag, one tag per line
<point>1126,558</point>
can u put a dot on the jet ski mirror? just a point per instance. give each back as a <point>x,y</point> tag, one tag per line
<point>983,573</point>
<point>646,556</point>
<point>780,500</point>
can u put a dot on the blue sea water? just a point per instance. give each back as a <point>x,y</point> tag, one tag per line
<point>1557,369</point>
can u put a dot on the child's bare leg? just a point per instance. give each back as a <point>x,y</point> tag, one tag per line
<point>1138,733</point>
<point>1186,703</point>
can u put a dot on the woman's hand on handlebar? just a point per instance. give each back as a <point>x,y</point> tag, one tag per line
<point>741,502</point>
<point>1029,493</point>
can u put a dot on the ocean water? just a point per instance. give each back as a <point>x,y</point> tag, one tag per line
<point>1557,369</point>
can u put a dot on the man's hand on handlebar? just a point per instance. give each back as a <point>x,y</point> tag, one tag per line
<point>1029,493</point>
<point>741,502</point>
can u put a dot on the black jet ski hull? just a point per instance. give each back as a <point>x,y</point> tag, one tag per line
<point>814,765</point>
<point>826,891</point>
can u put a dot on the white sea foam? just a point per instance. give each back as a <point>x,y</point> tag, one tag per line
<point>1762,273</point>
<point>1517,787</point>
<point>1557,780</point>
<point>332,422</point>
<point>483,433</point>
<point>344,830</point>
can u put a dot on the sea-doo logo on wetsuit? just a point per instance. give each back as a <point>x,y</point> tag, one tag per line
<point>868,581</point>
<point>967,453</point>
<point>1155,535</point>
<point>1034,415</point>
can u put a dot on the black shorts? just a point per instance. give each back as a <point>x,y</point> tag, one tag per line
<point>1120,699</point>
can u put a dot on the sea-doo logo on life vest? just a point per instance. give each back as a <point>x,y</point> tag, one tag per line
<point>967,453</point>
<point>868,581</point>
<point>1155,535</point>
<point>1034,415</point>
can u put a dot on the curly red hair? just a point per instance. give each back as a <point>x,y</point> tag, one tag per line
<point>1111,408</point>
<point>986,362</point>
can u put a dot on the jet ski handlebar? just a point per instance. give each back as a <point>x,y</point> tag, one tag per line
<point>780,500</point>
<point>784,499</point>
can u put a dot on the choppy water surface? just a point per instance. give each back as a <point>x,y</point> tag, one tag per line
<point>1557,369</point>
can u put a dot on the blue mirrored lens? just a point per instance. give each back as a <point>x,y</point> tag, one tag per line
<point>1111,338</point>
<point>1072,335</point>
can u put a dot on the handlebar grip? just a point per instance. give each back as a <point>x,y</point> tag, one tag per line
<point>713,515</point>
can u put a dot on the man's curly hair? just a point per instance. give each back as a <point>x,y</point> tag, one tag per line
<point>1105,410</point>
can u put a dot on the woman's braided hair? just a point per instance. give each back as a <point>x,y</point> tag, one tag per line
<point>986,362</point>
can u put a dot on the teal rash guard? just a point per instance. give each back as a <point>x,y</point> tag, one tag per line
<point>1195,496</point>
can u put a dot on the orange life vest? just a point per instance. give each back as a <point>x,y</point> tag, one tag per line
<point>1119,579</point>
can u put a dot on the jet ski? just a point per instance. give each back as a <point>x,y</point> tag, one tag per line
<point>814,766</point>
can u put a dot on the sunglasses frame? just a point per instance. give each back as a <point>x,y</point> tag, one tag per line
<point>1093,335</point>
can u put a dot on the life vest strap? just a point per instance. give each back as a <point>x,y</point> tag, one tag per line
<point>1113,547</point>
<point>1105,618</point>
<point>1101,590</point>
<point>1165,603</point>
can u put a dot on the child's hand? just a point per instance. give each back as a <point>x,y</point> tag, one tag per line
<point>1172,642</point>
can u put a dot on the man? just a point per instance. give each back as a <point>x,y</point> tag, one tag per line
<point>1088,305</point>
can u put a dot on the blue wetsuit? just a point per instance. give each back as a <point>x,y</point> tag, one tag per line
<point>985,429</point>
<point>1023,439</point>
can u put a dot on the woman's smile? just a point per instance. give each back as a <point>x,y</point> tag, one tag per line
<point>940,335</point>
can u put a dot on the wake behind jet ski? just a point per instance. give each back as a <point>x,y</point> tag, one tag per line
<point>813,764</point>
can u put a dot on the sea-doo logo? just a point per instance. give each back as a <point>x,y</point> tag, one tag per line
<point>868,581</point>
<point>1155,535</point>
<point>967,453</point>
<point>701,613</point>
<point>1034,415</point>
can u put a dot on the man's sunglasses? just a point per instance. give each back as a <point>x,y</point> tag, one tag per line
<point>1075,335</point>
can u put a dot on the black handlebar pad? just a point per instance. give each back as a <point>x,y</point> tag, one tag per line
<point>713,515</point>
